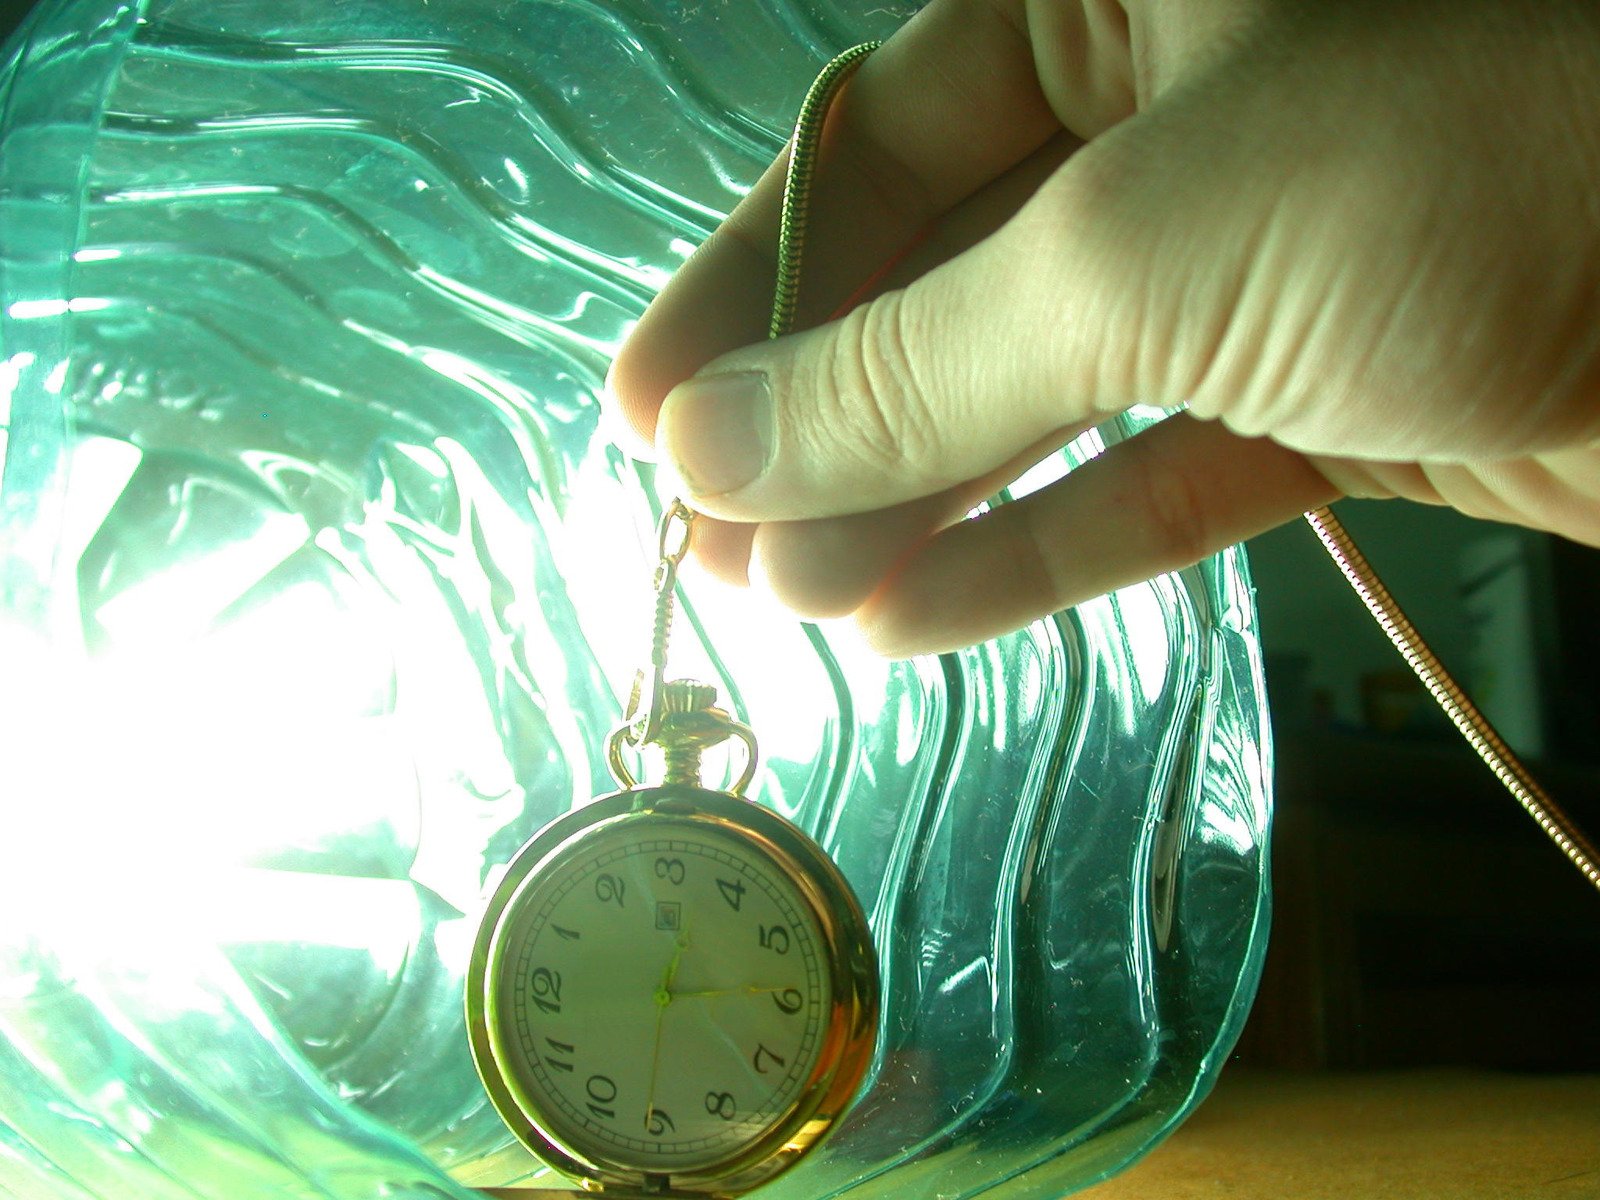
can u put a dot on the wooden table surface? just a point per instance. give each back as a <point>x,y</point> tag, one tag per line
<point>1410,1135</point>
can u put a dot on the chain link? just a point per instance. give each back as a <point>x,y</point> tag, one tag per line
<point>680,517</point>
<point>673,535</point>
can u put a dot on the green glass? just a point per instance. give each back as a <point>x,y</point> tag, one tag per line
<point>320,581</point>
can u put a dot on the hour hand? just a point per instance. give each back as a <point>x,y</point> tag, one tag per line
<point>729,991</point>
<point>664,992</point>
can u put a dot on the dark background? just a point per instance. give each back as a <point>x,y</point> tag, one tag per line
<point>11,14</point>
<point>1421,918</point>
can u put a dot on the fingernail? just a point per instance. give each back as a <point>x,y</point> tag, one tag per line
<point>718,430</point>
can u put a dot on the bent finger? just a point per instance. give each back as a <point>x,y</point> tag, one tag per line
<point>722,549</point>
<point>828,567</point>
<point>1158,502</point>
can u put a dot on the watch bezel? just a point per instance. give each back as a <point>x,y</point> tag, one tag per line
<point>849,1031</point>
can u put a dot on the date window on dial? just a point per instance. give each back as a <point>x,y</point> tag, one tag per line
<point>669,915</point>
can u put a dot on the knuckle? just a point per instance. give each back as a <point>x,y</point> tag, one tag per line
<point>1105,179</point>
<point>1174,508</point>
<point>883,416</point>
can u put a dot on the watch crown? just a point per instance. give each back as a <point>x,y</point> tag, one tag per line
<point>689,723</point>
<point>688,696</point>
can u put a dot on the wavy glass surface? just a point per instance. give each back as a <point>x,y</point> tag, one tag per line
<point>321,583</point>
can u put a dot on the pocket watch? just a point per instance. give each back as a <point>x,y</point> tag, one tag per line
<point>673,991</point>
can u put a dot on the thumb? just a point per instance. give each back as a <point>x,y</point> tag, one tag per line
<point>918,390</point>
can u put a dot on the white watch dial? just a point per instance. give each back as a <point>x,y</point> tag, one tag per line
<point>663,995</point>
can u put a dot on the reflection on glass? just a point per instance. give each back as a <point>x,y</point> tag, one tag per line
<point>321,581</point>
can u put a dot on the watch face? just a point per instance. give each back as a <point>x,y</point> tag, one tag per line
<point>660,995</point>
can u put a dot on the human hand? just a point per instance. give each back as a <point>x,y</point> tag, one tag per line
<point>1360,241</point>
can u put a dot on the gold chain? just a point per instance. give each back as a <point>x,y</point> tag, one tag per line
<point>1449,695</point>
<point>797,182</point>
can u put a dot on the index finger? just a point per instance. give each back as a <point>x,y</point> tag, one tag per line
<point>949,103</point>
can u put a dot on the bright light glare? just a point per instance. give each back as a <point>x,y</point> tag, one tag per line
<point>1139,610</point>
<point>145,779</point>
<point>134,788</point>
<point>184,597</point>
<point>1219,824</point>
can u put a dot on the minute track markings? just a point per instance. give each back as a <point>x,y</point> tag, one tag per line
<point>766,1094</point>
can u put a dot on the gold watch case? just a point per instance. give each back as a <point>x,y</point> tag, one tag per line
<point>850,1026</point>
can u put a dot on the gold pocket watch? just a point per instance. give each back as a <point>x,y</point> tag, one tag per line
<point>673,991</point>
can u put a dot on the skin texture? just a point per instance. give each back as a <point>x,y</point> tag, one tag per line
<point>1359,241</point>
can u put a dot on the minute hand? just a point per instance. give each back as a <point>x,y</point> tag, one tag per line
<point>662,998</point>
